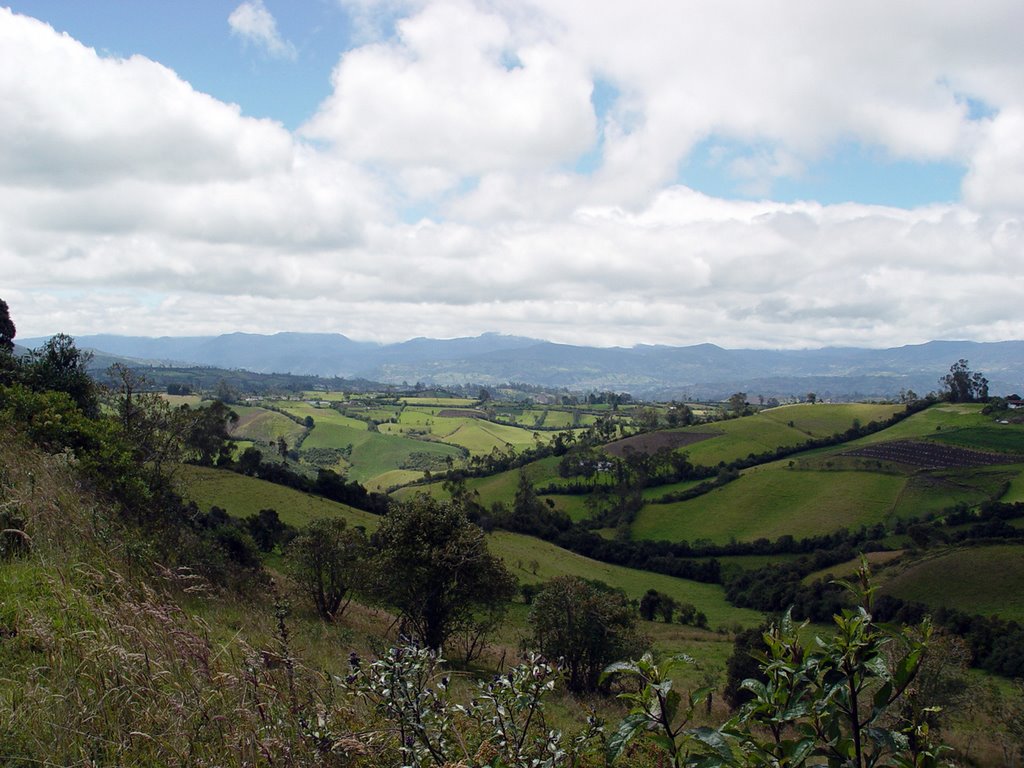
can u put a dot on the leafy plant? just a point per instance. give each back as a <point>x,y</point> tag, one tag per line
<point>832,702</point>
<point>655,708</point>
<point>503,724</point>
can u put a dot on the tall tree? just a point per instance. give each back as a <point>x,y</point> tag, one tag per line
<point>433,566</point>
<point>962,385</point>
<point>207,433</point>
<point>7,330</point>
<point>326,559</point>
<point>60,366</point>
<point>585,626</point>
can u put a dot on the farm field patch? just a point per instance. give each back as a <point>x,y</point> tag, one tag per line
<point>928,454</point>
<point>437,401</point>
<point>369,454</point>
<point>242,496</point>
<point>773,503</point>
<point>519,551</point>
<point>574,506</point>
<point>652,442</point>
<point>937,490</point>
<point>1015,491</point>
<point>321,415</point>
<point>987,579</point>
<point>741,437</point>
<point>264,426</point>
<point>824,419</point>
<point>1004,438</point>
<point>927,423</point>
<point>850,567</point>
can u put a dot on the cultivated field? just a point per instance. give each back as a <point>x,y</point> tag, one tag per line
<point>242,496</point>
<point>985,579</point>
<point>264,426</point>
<point>773,503</point>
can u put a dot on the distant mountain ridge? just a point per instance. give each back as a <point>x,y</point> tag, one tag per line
<point>702,370</point>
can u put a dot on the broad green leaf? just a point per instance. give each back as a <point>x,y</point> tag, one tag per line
<point>627,729</point>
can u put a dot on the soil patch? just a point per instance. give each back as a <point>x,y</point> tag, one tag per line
<point>652,442</point>
<point>929,455</point>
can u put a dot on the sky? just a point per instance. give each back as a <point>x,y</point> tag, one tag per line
<point>758,174</point>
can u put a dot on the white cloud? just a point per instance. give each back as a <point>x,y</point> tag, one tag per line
<point>131,203</point>
<point>458,90</point>
<point>73,118</point>
<point>255,24</point>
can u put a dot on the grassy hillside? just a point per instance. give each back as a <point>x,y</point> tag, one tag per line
<point>986,579</point>
<point>520,551</point>
<point>260,425</point>
<point>242,496</point>
<point>874,479</point>
<point>773,503</point>
<point>369,455</point>
<point>784,426</point>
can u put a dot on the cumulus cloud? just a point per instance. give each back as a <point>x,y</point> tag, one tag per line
<point>440,189</point>
<point>458,90</point>
<point>72,118</point>
<point>255,24</point>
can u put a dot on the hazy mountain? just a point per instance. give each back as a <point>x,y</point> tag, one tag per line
<point>702,370</point>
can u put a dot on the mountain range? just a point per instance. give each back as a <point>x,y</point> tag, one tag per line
<point>701,371</point>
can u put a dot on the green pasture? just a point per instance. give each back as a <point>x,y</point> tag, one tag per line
<point>849,569</point>
<point>380,413</point>
<point>1016,490</point>
<point>769,429</point>
<point>476,435</point>
<point>927,423</point>
<point>936,490</point>
<point>574,506</point>
<point>480,437</point>
<point>738,438</point>
<point>498,487</point>
<point>393,479</point>
<point>519,552</point>
<point>560,419</point>
<point>657,491</point>
<point>987,579</point>
<point>1001,438</point>
<point>825,419</point>
<point>773,503</point>
<point>447,402</point>
<point>381,454</point>
<point>333,396</point>
<point>242,496</point>
<point>373,454</point>
<point>264,426</point>
<point>320,415</point>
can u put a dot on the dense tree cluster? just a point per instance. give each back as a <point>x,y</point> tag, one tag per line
<point>962,385</point>
<point>432,566</point>
<point>328,560</point>
<point>585,625</point>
